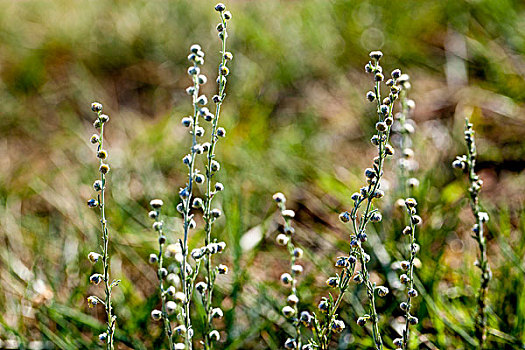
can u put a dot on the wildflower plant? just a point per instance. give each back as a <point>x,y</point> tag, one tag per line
<point>100,187</point>
<point>212,167</point>
<point>367,194</point>
<point>407,278</point>
<point>168,306</point>
<point>288,279</point>
<point>189,201</point>
<point>406,165</point>
<point>326,323</point>
<point>405,127</point>
<point>468,164</point>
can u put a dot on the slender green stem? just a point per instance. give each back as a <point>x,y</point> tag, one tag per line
<point>163,297</point>
<point>186,283</point>
<point>211,276</point>
<point>105,255</point>
<point>483,264</point>
<point>406,333</point>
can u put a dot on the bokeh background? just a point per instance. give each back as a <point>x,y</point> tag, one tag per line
<point>297,122</point>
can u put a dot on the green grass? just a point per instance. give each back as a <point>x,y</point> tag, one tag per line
<point>297,122</point>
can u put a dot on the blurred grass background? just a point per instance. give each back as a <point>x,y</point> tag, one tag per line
<point>297,122</point>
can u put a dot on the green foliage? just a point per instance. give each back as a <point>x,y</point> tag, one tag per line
<point>296,120</point>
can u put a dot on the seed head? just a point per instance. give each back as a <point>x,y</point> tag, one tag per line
<point>104,168</point>
<point>324,305</point>
<point>361,321</point>
<point>94,257</point>
<point>290,344</point>
<point>215,166</point>
<point>389,150</point>
<point>297,269</point>
<point>376,55</point>
<point>396,73</point>
<point>199,178</point>
<point>202,79</point>
<point>94,139</point>
<point>96,278</point>
<point>186,122</point>
<point>370,96</point>
<point>279,198</point>
<point>286,279</point>
<point>288,213</point>
<point>342,261</point>
<point>332,282</point>
<point>179,297</point>
<point>298,253</point>
<point>381,126</point>
<point>214,335</point>
<point>416,220</point>
<point>104,118</point>
<point>92,301</point>
<point>222,269</point>
<point>228,56</point>
<point>156,315</point>
<point>220,7</point>
<point>404,279</point>
<point>292,299</point>
<point>156,203</point>
<point>398,342</point>
<point>382,291</point>
<point>288,311</point>
<point>224,70</point>
<point>344,217</point>
<point>338,326</point>
<point>92,203</point>
<point>282,239</point>
<point>413,320</point>
<point>217,313</point>
<point>221,132</point>
<point>103,337</point>
<point>171,306</point>
<point>195,48</point>
<point>153,258</point>
<point>306,318</point>
<point>403,306</point>
<point>412,293</point>
<point>197,203</point>
<point>202,100</point>
<point>157,226</point>
<point>96,107</point>
<point>97,185</point>
<point>376,217</point>
<point>216,213</point>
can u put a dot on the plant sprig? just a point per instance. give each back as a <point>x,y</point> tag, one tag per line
<point>100,186</point>
<point>468,164</point>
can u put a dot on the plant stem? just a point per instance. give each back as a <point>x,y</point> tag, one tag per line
<point>210,280</point>
<point>105,257</point>
<point>186,283</point>
<point>475,187</point>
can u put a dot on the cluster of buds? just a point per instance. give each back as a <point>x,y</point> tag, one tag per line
<point>168,307</point>
<point>212,248</point>
<point>468,164</point>
<point>188,202</point>
<point>372,190</point>
<point>100,186</point>
<point>289,279</point>
<point>402,129</point>
<point>407,276</point>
